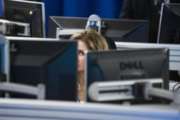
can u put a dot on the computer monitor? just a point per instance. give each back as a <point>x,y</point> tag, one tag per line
<point>169,24</point>
<point>127,64</point>
<point>126,30</point>
<point>51,62</point>
<point>60,26</point>
<point>28,12</point>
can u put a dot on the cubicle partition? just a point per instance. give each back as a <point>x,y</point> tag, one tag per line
<point>46,110</point>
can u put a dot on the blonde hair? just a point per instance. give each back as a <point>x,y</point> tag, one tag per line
<point>92,39</point>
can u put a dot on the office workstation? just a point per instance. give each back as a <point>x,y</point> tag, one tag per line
<point>39,62</point>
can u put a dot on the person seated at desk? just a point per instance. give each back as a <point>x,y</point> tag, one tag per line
<point>88,40</point>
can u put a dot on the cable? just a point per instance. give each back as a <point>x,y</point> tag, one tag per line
<point>176,87</point>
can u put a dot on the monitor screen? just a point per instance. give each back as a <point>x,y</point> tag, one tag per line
<point>127,64</point>
<point>169,25</point>
<point>3,59</point>
<point>2,56</point>
<point>28,12</point>
<point>53,63</point>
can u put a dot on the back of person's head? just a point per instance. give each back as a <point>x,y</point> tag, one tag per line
<point>92,39</point>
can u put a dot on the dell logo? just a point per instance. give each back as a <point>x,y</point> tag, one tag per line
<point>131,65</point>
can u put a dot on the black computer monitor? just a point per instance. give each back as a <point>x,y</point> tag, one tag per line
<point>28,12</point>
<point>169,24</point>
<point>59,23</point>
<point>126,30</point>
<point>51,62</point>
<point>126,64</point>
